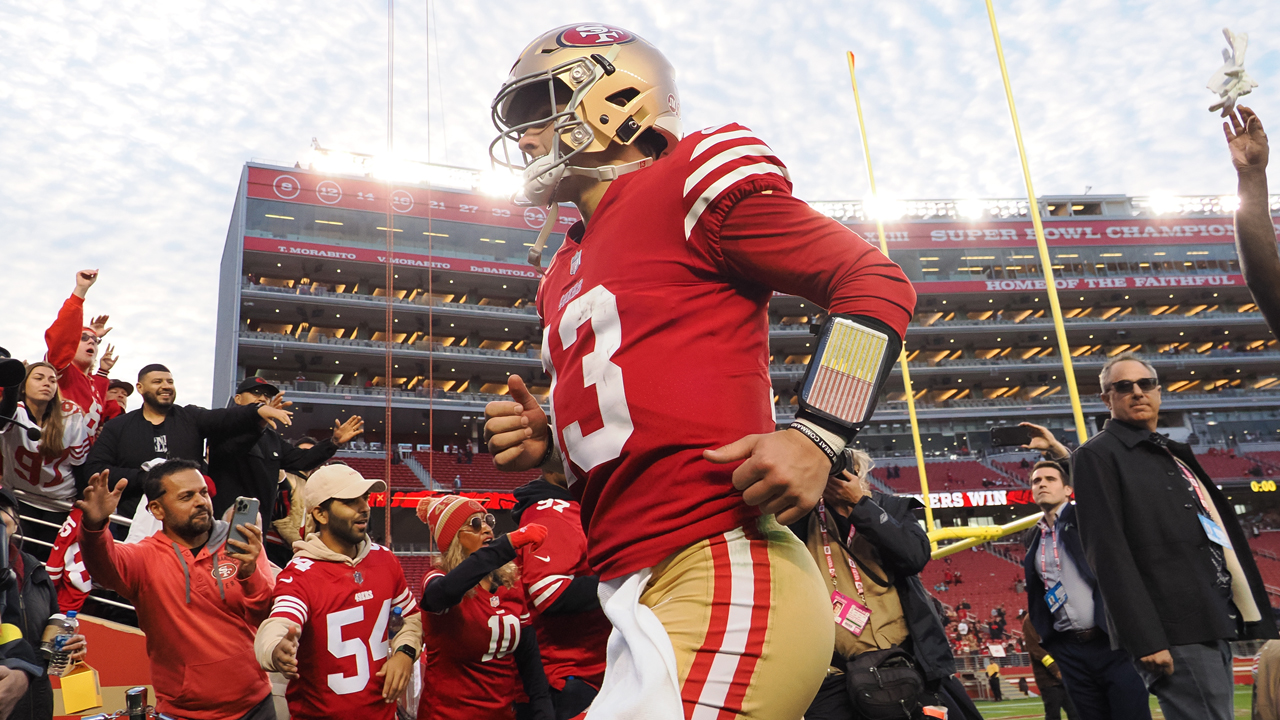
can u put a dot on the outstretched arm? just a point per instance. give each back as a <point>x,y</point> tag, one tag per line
<point>441,592</point>
<point>1255,232</point>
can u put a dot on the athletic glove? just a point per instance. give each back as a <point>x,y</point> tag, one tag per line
<point>532,535</point>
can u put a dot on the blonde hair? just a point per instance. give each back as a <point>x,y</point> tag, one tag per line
<point>506,576</point>
<point>53,423</point>
<point>861,469</point>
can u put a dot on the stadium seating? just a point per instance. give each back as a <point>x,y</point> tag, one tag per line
<point>415,567</point>
<point>948,475</point>
<point>402,478</point>
<point>987,581</point>
<point>477,475</point>
<point>1224,467</point>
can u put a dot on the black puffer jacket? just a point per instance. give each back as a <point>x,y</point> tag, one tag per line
<point>889,523</point>
<point>36,601</point>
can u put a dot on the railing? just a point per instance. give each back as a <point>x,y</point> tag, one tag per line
<point>24,499</point>
<point>316,291</point>
<point>383,345</point>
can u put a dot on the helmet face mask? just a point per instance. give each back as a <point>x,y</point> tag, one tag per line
<point>591,86</point>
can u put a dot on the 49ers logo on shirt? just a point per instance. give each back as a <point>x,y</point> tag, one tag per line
<point>226,571</point>
<point>594,36</point>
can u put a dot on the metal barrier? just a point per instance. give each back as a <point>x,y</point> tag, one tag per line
<point>23,496</point>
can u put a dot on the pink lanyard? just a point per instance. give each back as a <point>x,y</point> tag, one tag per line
<point>831,565</point>
<point>1190,476</point>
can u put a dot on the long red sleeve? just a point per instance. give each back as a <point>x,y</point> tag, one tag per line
<point>783,244</point>
<point>63,336</point>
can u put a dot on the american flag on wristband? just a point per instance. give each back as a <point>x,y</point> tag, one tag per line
<point>843,385</point>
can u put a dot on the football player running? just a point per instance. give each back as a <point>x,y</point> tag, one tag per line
<point>334,601</point>
<point>656,340</point>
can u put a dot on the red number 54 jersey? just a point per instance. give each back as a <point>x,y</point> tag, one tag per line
<point>656,335</point>
<point>344,611</point>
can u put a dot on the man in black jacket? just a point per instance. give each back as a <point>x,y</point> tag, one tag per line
<point>29,600</point>
<point>881,534</point>
<point>161,429</point>
<point>1071,620</point>
<point>249,462</point>
<point>1170,558</point>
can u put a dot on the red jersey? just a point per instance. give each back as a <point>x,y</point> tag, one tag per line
<point>66,566</point>
<point>572,644</point>
<point>468,662</point>
<point>657,335</point>
<point>344,611</point>
<point>63,340</point>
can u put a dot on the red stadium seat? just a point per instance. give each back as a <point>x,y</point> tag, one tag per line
<point>479,474</point>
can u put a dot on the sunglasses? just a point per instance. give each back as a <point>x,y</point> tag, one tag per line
<point>86,337</point>
<point>1124,387</point>
<point>475,523</point>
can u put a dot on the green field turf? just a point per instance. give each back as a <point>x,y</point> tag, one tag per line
<point>1031,708</point>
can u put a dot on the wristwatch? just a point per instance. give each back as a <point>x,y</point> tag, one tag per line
<point>408,650</point>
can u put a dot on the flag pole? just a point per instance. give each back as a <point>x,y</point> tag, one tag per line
<point>902,357</point>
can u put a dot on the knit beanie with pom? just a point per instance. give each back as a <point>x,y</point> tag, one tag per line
<point>445,516</point>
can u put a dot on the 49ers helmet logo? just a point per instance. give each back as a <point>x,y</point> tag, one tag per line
<point>594,36</point>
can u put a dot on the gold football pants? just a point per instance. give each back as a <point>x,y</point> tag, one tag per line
<point>750,620</point>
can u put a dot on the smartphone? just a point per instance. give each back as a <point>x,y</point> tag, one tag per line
<point>246,513</point>
<point>1007,435</point>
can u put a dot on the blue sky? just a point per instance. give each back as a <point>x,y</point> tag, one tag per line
<point>124,125</point>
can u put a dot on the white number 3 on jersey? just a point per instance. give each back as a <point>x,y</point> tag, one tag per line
<point>600,307</point>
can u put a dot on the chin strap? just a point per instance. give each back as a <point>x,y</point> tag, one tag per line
<point>604,173</point>
<point>535,252</point>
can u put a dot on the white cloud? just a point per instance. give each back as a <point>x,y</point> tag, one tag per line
<point>125,125</point>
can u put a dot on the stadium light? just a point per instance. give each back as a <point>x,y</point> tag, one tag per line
<point>971,209</point>
<point>1229,203</point>
<point>882,208</point>
<point>1162,204</point>
<point>498,183</point>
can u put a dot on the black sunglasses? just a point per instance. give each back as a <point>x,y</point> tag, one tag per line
<point>475,522</point>
<point>86,337</point>
<point>1124,387</point>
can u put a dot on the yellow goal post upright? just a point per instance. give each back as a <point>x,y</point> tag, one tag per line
<point>968,536</point>
<point>902,356</point>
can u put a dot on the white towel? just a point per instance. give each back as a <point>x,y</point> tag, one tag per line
<point>641,681</point>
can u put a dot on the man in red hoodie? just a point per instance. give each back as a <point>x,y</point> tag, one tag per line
<point>199,592</point>
<point>72,346</point>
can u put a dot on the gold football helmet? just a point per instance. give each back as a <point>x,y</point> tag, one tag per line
<point>595,84</point>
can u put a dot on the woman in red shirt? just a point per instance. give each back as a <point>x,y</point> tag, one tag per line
<point>477,652</point>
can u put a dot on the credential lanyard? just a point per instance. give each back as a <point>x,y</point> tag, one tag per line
<point>831,565</point>
<point>1190,476</point>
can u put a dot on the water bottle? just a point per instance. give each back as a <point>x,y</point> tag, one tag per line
<point>59,659</point>
<point>395,623</point>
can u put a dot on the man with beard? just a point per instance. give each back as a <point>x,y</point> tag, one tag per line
<point>341,585</point>
<point>199,591</point>
<point>160,429</point>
